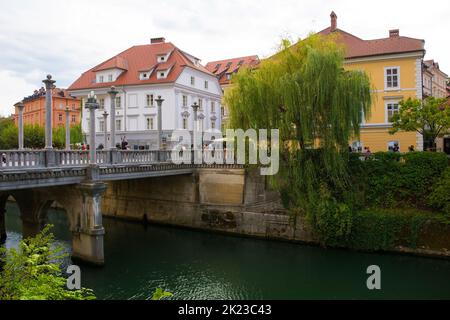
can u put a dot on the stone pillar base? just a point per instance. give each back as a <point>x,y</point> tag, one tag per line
<point>87,246</point>
<point>30,228</point>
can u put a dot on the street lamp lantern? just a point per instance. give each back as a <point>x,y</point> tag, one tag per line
<point>92,105</point>
<point>159,102</point>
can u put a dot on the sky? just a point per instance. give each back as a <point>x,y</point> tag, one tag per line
<point>67,37</point>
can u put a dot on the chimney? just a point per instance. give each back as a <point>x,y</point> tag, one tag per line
<point>395,33</point>
<point>157,40</point>
<point>333,21</point>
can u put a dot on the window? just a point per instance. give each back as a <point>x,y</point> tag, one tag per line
<point>74,118</point>
<point>162,75</point>
<point>185,102</point>
<point>118,102</point>
<point>118,125</point>
<point>392,78</point>
<point>200,104</point>
<point>102,103</point>
<point>110,79</point>
<point>392,108</point>
<point>206,84</point>
<point>228,76</point>
<point>60,117</point>
<point>192,81</point>
<point>149,123</point>
<point>150,100</point>
<point>213,107</point>
<point>222,111</point>
<point>185,124</point>
<point>100,79</point>
<point>213,124</point>
<point>73,106</point>
<point>101,125</point>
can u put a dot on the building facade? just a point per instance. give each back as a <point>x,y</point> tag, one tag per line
<point>225,69</point>
<point>140,74</point>
<point>394,65</point>
<point>34,108</point>
<point>436,85</point>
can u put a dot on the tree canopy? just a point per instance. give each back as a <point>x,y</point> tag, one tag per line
<point>430,118</point>
<point>305,91</point>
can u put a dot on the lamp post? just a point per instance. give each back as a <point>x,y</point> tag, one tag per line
<point>20,107</point>
<point>105,129</point>
<point>67,110</point>
<point>92,105</point>
<point>159,102</point>
<point>112,94</point>
<point>48,111</point>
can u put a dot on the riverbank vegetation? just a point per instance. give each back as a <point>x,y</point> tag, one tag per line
<point>33,271</point>
<point>34,135</point>
<point>370,204</point>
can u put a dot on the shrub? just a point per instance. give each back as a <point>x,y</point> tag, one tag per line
<point>391,179</point>
<point>439,198</point>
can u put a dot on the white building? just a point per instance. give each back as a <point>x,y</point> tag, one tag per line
<point>141,74</point>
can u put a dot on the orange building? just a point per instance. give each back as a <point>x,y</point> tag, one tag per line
<point>34,108</point>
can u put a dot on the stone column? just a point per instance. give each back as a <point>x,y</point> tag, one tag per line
<point>112,94</point>
<point>197,139</point>
<point>105,129</point>
<point>87,241</point>
<point>67,128</point>
<point>92,105</point>
<point>20,107</point>
<point>48,111</point>
<point>159,102</point>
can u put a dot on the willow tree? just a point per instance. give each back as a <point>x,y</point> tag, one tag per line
<point>305,91</point>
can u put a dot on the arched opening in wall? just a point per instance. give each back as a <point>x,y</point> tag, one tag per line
<point>12,222</point>
<point>55,214</point>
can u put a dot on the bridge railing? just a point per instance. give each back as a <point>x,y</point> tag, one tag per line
<point>71,158</point>
<point>22,159</point>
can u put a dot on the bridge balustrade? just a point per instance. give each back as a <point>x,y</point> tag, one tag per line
<point>22,158</point>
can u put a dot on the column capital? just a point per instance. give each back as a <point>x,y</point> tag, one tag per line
<point>48,82</point>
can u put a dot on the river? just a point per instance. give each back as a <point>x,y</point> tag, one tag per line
<point>199,265</point>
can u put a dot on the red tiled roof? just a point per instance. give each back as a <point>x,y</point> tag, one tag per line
<point>137,59</point>
<point>116,62</point>
<point>357,47</point>
<point>223,67</point>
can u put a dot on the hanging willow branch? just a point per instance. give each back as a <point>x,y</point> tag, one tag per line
<point>304,91</point>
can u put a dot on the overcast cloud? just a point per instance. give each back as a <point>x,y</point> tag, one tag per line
<point>66,37</point>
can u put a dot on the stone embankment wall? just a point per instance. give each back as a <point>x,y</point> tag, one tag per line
<point>232,201</point>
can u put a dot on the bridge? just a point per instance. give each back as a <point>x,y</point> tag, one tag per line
<point>36,179</point>
<point>75,179</point>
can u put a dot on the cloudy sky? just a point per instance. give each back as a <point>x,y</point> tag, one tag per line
<point>66,37</point>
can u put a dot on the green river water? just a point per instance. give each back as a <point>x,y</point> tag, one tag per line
<point>199,265</point>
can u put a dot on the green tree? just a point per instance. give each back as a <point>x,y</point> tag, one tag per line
<point>305,91</point>
<point>430,118</point>
<point>33,272</point>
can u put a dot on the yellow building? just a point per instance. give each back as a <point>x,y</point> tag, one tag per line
<point>394,65</point>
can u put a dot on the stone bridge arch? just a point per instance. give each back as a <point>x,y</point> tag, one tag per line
<point>80,202</point>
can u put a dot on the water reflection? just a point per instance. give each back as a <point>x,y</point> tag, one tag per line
<point>197,265</point>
